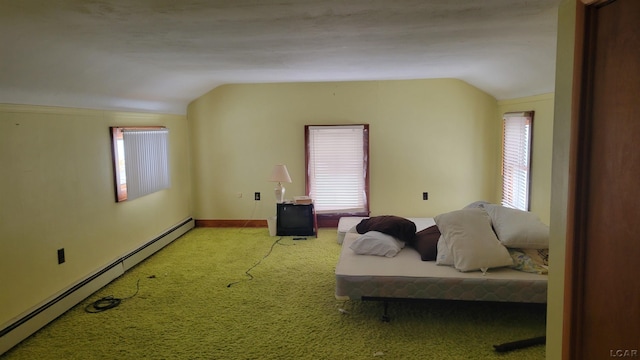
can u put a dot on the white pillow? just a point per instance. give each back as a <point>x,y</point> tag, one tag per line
<point>517,228</point>
<point>377,243</point>
<point>444,256</point>
<point>471,240</point>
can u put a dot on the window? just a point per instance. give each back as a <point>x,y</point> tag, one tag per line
<point>140,161</point>
<point>517,129</point>
<point>337,177</point>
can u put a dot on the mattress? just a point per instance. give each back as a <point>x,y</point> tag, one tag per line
<point>407,276</point>
<point>347,224</point>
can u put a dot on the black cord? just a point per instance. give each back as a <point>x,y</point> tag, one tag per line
<point>520,344</point>
<point>108,302</point>
<point>255,205</point>
<point>248,272</point>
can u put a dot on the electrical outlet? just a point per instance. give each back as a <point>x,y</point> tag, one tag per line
<point>425,196</point>
<point>256,196</point>
<point>60,256</point>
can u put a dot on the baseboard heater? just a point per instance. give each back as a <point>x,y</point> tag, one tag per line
<point>33,320</point>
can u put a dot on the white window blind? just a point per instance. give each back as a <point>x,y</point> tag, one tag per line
<point>336,168</point>
<point>146,157</point>
<point>516,159</point>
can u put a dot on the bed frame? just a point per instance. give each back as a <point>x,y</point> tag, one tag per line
<point>407,277</point>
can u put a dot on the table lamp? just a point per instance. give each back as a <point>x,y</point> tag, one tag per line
<point>280,175</point>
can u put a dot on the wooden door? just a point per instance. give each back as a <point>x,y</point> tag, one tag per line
<point>602,314</point>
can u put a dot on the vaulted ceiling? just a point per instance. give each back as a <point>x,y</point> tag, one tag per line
<point>158,55</point>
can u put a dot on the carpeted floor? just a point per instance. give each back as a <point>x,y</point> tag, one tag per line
<point>184,309</point>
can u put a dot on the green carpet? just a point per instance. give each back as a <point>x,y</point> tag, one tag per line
<point>185,310</point>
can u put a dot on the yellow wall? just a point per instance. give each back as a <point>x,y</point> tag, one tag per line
<point>542,148</point>
<point>435,135</point>
<point>438,135</point>
<point>57,191</point>
<point>560,176</point>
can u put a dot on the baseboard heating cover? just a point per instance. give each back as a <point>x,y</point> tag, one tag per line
<point>28,323</point>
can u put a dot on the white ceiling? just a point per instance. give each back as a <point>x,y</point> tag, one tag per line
<point>158,55</point>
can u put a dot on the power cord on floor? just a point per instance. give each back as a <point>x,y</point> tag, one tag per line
<point>248,272</point>
<point>343,309</point>
<point>255,206</point>
<point>520,344</point>
<point>108,302</point>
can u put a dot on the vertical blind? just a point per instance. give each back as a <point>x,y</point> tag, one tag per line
<point>146,153</point>
<point>336,168</point>
<point>516,159</point>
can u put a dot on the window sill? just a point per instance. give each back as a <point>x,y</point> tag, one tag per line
<point>331,220</point>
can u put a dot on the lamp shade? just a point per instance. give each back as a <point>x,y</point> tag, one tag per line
<point>280,174</point>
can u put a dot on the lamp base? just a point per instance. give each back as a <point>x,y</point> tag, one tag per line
<point>279,190</point>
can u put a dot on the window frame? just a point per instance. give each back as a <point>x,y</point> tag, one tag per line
<point>529,116</point>
<point>331,219</point>
<point>117,134</point>
<point>117,156</point>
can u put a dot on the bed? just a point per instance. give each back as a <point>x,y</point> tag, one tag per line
<point>407,276</point>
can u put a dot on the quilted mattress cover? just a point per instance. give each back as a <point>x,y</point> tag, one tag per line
<point>407,276</point>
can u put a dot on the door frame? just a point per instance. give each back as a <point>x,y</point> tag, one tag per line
<point>578,181</point>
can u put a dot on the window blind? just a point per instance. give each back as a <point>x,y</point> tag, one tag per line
<point>146,154</point>
<point>336,168</point>
<point>516,159</point>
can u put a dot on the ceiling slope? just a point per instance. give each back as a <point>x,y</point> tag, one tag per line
<point>160,55</point>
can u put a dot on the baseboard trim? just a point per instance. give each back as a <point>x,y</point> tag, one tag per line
<point>33,321</point>
<point>231,223</point>
<point>322,223</point>
<point>25,325</point>
<point>151,247</point>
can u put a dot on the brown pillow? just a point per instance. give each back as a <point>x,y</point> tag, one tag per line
<point>426,243</point>
<point>398,227</point>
